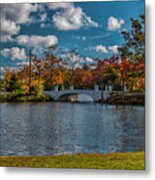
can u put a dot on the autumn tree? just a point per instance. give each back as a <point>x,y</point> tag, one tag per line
<point>49,70</point>
<point>83,79</point>
<point>54,71</point>
<point>133,55</point>
<point>106,71</point>
<point>73,59</point>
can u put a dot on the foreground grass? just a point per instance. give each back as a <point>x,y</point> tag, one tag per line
<point>128,161</point>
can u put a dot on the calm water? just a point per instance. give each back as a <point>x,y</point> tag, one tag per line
<point>60,128</point>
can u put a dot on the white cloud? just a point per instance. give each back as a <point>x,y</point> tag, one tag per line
<point>114,23</point>
<point>76,60</point>
<point>70,17</point>
<point>6,38</point>
<point>114,49</point>
<point>9,27</point>
<point>37,41</point>
<point>14,53</point>
<point>18,13</point>
<point>101,49</point>
<point>89,22</point>
<point>43,17</point>
<point>93,66</point>
<point>56,5</point>
<point>89,60</point>
<point>73,57</point>
<point>2,70</point>
<point>105,35</point>
<point>78,66</point>
<point>8,68</point>
<point>12,16</point>
<point>23,63</point>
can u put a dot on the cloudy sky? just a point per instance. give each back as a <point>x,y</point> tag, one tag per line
<point>92,28</point>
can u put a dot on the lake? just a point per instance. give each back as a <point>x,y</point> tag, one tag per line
<point>69,128</point>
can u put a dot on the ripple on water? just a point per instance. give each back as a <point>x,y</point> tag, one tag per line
<point>60,128</point>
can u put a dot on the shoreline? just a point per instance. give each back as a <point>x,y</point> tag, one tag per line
<point>82,103</point>
<point>124,99</point>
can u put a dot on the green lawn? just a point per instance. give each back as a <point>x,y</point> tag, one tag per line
<point>131,161</point>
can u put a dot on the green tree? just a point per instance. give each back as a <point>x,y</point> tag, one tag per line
<point>133,48</point>
<point>13,84</point>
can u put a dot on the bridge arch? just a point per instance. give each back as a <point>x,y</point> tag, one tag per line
<point>79,97</point>
<point>96,95</point>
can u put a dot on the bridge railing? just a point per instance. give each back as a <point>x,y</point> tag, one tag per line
<point>96,88</point>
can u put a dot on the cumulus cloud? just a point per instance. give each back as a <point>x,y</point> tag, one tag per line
<point>2,70</point>
<point>89,60</point>
<point>12,16</point>
<point>101,49</point>
<point>37,41</point>
<point>9,27</point>
<point>114,48</point>
<point>89,22</point>
<point>93,66</point>
<point>78,66</point>
<point>62,21</point>
<point>73,57</point>
<point>14,53</point>
<point>55,5</point>
<point>25,63</point>
<point>18,13</point>
<point>11,69</point>
<point>70,17</point>
<point>114,23</point>
<point>6,38</point>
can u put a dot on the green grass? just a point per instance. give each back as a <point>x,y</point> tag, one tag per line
<point>128,161</point>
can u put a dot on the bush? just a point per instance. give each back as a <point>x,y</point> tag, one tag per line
<point>20,97</point>
<point>33,98</point>
<point>2,97</point>
<point>13,84</point>
<point>126,99</point>
<point>36,88</point>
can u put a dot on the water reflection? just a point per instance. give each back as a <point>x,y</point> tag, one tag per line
<point>59,128</point>
<point>84,98</point>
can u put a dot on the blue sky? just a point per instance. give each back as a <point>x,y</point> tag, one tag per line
<point>93,28</point>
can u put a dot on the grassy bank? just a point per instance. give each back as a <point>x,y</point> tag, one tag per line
<point>128,161</point>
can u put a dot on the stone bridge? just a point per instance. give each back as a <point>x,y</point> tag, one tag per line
<point>96,95</point>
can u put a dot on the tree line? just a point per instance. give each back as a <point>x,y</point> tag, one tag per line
<point>126,69</point>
